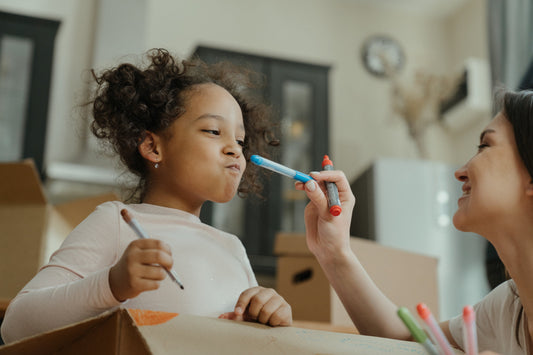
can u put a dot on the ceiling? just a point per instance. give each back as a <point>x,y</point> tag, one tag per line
<point>438,8</point>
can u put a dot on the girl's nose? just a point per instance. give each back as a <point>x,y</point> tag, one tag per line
<point>233,148</point>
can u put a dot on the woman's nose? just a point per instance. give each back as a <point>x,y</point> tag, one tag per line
<point>461,173</point>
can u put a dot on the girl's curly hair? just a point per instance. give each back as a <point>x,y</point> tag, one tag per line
<point>129,100</point>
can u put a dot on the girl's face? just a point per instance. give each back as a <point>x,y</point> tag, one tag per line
<point>202,157</point>
<point>495,180</point>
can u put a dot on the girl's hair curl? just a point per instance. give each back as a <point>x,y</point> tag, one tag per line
<point>130,100</point>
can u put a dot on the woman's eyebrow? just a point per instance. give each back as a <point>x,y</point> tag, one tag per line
<point>485,132</point>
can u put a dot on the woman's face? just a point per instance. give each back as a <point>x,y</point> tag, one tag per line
<point>203,159</point>
<point>495,180</point>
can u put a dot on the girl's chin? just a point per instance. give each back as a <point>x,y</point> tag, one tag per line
<point>223,199</point>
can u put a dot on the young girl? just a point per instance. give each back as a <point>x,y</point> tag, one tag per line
<point>187,130</point>
<point>497,203</point>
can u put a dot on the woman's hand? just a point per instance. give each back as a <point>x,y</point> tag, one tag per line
<point>327,235</point>
<point>263,305</point>
<point>140,268</point>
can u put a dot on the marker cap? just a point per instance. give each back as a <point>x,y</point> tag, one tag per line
<point>302,177</point>
<point>256,159</point>
<point>468,314</point>
<point>423,311</point>
<point>326,161</point>
<point>335,210</point>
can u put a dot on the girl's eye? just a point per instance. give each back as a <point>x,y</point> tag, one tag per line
<point>212,131</point>
<point>240,142</point>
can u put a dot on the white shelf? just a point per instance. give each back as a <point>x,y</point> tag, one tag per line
<point>86,173</point>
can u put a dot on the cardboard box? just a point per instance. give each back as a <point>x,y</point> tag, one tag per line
<point>134,332</point>
<point>406,278</point>
<point>31,228</point>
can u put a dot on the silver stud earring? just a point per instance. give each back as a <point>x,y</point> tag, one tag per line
<point>156,165</point>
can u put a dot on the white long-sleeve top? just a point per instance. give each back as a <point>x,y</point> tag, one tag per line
<point>74,285</point>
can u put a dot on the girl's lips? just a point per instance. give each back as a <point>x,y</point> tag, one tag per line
<point>235,166</point>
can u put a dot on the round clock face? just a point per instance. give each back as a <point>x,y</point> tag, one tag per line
<point>380,52</point>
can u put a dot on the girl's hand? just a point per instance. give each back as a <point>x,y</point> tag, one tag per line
<point>327,235</point>
<point>140,268</point>
<point>263,305</point>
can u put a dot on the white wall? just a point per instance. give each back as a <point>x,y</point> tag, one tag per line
<point>362,126</point>
<point>329,32</point>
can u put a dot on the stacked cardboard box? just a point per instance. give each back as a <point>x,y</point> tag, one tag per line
<point>31,227</point>
<point>406,278</point>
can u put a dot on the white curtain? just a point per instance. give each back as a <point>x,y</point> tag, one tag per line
<point>510,26</point>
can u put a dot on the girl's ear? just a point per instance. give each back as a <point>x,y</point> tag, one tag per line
<point>150,148</point>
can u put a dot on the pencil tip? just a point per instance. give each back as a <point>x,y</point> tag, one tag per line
<point>125,215</point>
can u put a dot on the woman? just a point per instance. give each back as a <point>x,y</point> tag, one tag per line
<point>497,203</point>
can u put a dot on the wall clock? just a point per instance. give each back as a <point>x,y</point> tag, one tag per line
<point>379,50</point>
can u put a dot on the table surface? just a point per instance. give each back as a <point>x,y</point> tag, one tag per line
<point>324,326</point>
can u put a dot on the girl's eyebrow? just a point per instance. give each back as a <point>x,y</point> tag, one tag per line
<point>209,115</point>
<point>217,117</point>
<point>485,132</point>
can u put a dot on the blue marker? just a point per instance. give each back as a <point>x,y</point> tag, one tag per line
<point>278,168</point>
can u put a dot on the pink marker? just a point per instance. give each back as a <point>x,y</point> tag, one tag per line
<point>436,334</point>
<point>469,330</point>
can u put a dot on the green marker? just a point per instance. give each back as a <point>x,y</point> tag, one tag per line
<point>418,334</point>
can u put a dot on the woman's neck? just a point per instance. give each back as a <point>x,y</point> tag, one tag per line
<point>515,249</point>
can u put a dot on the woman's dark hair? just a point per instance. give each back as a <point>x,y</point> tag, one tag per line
<point>518,109</point>
<point>130,100</point>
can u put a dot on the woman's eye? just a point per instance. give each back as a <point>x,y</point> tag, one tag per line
<point>481,146</point>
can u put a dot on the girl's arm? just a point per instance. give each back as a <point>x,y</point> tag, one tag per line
<point>74,285</point>
<point>56,297</point>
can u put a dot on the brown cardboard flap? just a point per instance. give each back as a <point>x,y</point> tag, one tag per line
<point>116,333</point>
<point>20,184</point>
<point>112,333</point>
<point>187,334</point>
<point>22,242</point>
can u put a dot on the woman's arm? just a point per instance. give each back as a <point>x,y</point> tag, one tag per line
<point>328,239</point>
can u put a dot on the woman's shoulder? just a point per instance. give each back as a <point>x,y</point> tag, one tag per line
<point>504,292</point>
